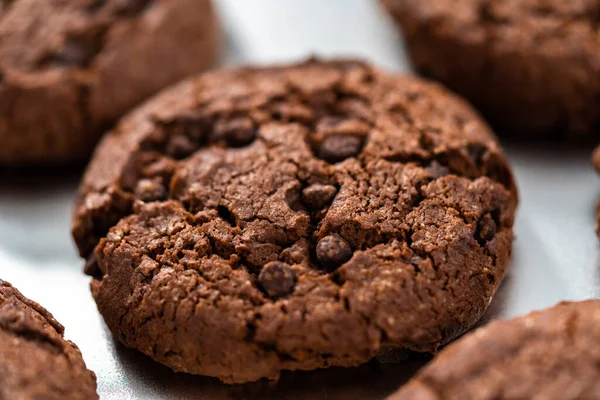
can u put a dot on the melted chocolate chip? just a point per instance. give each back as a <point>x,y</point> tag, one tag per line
<point>91,267</point>
<point>236,132</point>
<point>333,251</point>
<point>148,190</point>
<point>337,148</point>
<point>486,229</point>
<point>79,48</point>
<point>180,146</point>
<point>318,196</point>
<point>277,279</point>
<point>476,152</point>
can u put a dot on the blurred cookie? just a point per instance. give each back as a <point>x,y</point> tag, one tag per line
<point>550,354</point>
<point>69,69</point>
<point>36,362</point>
<point>254,220</point>
<point>531,66</point>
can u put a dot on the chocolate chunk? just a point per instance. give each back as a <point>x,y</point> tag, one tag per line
<point>486,228</point>
<point>333,251</point>
<point>337,148</point>
<point>79,48</point>
<point>91,267</point>
<point>150,190</point>
<point>277,279</point>
<point>318,196</point>
<point>237,132</point>
<point>476,152</point>
<point>180,146</point>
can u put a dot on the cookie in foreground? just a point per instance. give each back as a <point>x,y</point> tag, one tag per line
<point>530,66</point>
<point>549,354</point>
<point>36,362</point>
<point>70,69</point>
<point>254,220</point>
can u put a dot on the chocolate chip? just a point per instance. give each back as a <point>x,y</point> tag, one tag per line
<point>92,268</point>
<point>333,251</point>
<point>318,196</point>
<point>236,132</point>
<point>437,170</point>
<point>486,229</point>
<point>180,146</point>
<point>148,190</point>
<point>79,48</point>
<point>476,152</point>
<point>277,279</point>
<point>337,148</point>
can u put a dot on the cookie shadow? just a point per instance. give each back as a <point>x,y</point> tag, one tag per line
<point>373,380</point>
<point>35,211</point>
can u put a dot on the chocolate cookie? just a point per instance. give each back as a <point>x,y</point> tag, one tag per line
<point>550,354</point>
<point>252,220</point>
<point>36,362</point>
<point>69,69</point>
<point>531,66</point>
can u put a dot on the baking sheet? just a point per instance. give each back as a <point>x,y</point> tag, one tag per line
<point>555,254</point>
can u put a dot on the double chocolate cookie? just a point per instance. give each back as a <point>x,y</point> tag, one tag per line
<point>254,220</point>
<point>69,69</point>
<point>531,66</point>
<point>551,354</point>
<point>36,362</point>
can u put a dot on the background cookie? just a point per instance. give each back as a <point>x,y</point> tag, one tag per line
<point>551,354</point>
<point>253,220</point>
<point>36,362</point>
<point>531,66</point>
<point>69,69</point>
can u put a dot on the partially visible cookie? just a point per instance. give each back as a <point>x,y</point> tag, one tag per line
<point>549,354</point>
<point>255,220</point>
<point>36,362</point>
<point>69,69</point>
<point>531,66</point>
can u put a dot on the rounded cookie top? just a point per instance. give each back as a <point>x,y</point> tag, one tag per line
<point>550,354</point>
<point>70,68</point>
<point>36,362</point>
<point>531,66</point>
<point>294,217</point>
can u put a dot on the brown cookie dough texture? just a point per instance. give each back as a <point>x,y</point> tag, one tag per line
<point>36,362</point>
<point>551,354</point>
<point>70,68</point>
<point>253,220</point>
<point>531,66</point>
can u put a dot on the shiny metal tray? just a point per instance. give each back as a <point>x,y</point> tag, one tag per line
<point>555,254</point>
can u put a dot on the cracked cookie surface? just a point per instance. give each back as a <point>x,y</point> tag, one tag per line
<point>254,220</point>
<point>549,354</point>
<point>36,362</point>
<point>70,68</point>
<point>531,66</point>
